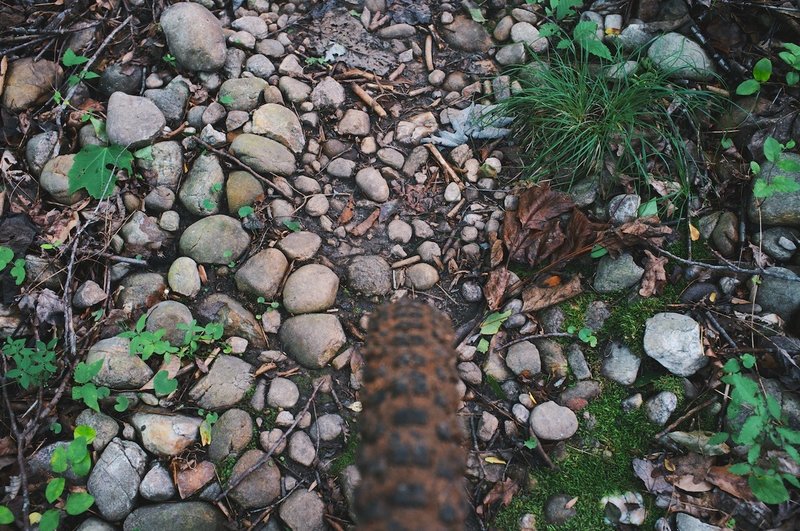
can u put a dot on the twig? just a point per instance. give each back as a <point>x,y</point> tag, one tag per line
<point>683,417</point>
<point>429,52</point>
<point>113,257</point>
<point>23,475</point>
<point>234,482</point>
<point>729,267</point>
<point>86,67</point>
<point>254,173</point>
<point>533,336</point>
<point>369,100</point>
<point>718,327</point>
<point>449,172</point>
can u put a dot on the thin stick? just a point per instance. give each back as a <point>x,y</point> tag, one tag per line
<point>23,475</point>
<point>113,257</point>
<point>683,417</point>
<point>234,482</point>
<point>730,267</point>
<point>254,173</point>
<point>86,67</point>
<point>369,100</point>
<point>449,172</point>
<point>429,52</point>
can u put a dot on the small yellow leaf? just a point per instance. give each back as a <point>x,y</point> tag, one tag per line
<point>668,465</point>
<point>713,296</point>
<point>694,234</point>
<point>494,460</point>
<point>533,400</point>
<point>35,518</point>
<point>570,504</point>
<point>356,406</point>
<point>205,433</point>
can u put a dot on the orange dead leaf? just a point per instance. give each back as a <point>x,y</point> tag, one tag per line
<point>347,212</point>
<point>502,491</point>
<point>551,291</point>
<point>694,234</point>
<point>495,288</point>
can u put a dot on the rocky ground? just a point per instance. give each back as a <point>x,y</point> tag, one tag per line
<point>283,184</point>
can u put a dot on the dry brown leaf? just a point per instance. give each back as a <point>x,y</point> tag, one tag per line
<point>365,225</point>
<point>731,483</point>
<point>570,504</point>
<point>546,293</point>
<point>3,69</point>
<point>495,288</point>
<point>537,217</point>
<point>502,491</point>
<point>655,276</point>
<point>689,483</point>
<point>347,212</point>
<point>694,234</point>
<point>496,255</point>
<point>665,188</point>
<point>7,446</point>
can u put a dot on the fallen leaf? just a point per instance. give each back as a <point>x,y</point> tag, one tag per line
<point>733,484</point>
<point>496,256</point>
<point>495,287</point>
<point>7,446</point>
<point>689,483</point>
<point>570,504</point>
<point>502,491</point>
<point>3,69</point>
<point>655,276</point>
<point>492,460</point>
<point>694,234</point>
<point>538,296</point>
<point>364,226</point>
<point>347,212</point>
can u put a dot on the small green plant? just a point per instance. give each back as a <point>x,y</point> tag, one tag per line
<point>122,404</point>
<point>319,61</point>
<point>585,334</point>
<point>86,390</point>
<point>170,60</point>
<point>245,211</point>
<point>490,326</point>
<point>292,225</point>
<point>145,343</point>
<point>195,335</point>
<point>209,419</point>
<point>163,385</point>
<point>33,366</point>
<point>762,72</point>
<point>791,56</point>
<point>70,58</point>
<point>95,169</point>
<point>74,457</point>
<point>558,9</point>
<point>271,305</point>
<point>584,34</point>
<point>17,271</point>
<point>764,425</point>
<point>98,125</point>
<point>774,153</point>
<point>225,99</point>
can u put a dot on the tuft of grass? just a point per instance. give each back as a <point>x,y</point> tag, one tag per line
<point>599,466</point>
<point>571,119</point>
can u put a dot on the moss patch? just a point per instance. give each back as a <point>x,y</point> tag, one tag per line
<point>598,463</point>
<point>225,469</point>
<point>347,457</point>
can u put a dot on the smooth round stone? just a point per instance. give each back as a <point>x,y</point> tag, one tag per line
<point>421,276</point>
<point>262,274</point>
<point>452,193</point>
<point>372,183</point>
<point>552,422</point>
<point>399,231</point>
<point>283,393</point>
<point>183,277</point>
<point>215,239</point>
<point>312,288</point>
<point>370,275</point>
<point>523,359</point>
<point>301,245</point>
<point>317,205</point>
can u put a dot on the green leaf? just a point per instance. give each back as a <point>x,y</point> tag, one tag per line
<point>58,461</point>
<point>793,481</point>
<point>783,185</point>
<point>84,372</point>
<point>731,366</point>
<point>6,255</point>
<point>70,58</point>
<point>82,467</point>
<point>491,325</point>
<point>530,444</point>
<point>726,142</point>
<point>483,346</point>
<point>585,34</point>
<point>94,169</point>
<point>648,209</point>
<point>768,489</point>
<point>789,165</point>
<point>748,361</point>
<point>163,384</point>
<point>245,211</point>
<point>225,99</point>
<point>753,453</point>
<point>750,430</point>
<point>54,489</point>
<point>789,435</point>
<point>90,75</point>
<point>762,70</point>
<point>476,14</point>
<point>598,251</point>
<point>50,520</point>
<point>792,78</point>
<point>77,451</point>
<point>761,189</point>
<point>793,48</point>
<point>18,271</point>
<point>78,503</point>
<point>772,149</point>
<point>86,432</point>
<point>792,451</point>
<point>747,88</point>
<point>719,438</point>
<point>6,516</point>
<point>292,225</point>
<point>56,427</point>
<point>773,407</point>
<point>122,403</point>
<point>145,153</point>
<point>740,469</point>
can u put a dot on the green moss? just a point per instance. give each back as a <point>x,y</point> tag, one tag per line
<point>597,465</point>
<point>225,469</point>
<point>347,458</point>
<point>669,382</point>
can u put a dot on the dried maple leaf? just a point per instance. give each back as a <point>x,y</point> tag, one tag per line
<point>495,288</point>
<point>542,295</point>
<point>655,276</point>
<point>529,233</point>
<point>502,491</point>
<point>731,483</point>
<point>496,256</point>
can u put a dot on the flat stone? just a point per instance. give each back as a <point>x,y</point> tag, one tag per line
<point>54,179</point>
<point>301,448</point>
<point>302,245</point>
<point>215,239</point>
<point>120,370</point>
<point>165,434</point>
<point>312,339</point>
<point>372,184</point>
<point>241,94</point>
<point>104,426</point>
<point>260,487</point>
<point>29,82</point>
<point>167,315</point>
<point>133,121</point>
<point>88,294</point>
<point>615,274</point>
<point>226,383</point>
<point>230,435</point>
<point>552,422</point>
<point>264,155</point>
<point>242,189</point>
<point>166,167</point>
<point>201,193</point>
<point>140,291</point>
<point>303,510</point>
<point>681,57</point>
<point>237,320</point>
<point>354,122</point>
<point>262,274</point>
<point>171,100</point>
<point>157,484</point>
<point>620,364</point>
<point>781,208</point>
<point>312,288</point>
<point>369,275</point>
<point>180,516</point>
<point>673,340</point>
<point>114,480</point>
<point>294,90</point>
<point>328,94</point>
<point>467,35</point>
<point>281,124</point>
<point>778,295</point>
<point>183,277</point>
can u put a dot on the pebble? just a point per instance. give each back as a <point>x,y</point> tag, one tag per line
<point>328,94</point>
<point>88,294</point>
<point>342,168</point>
<point>523,359</point>
<point>673,340</point>
<point>620,364</point>
<point>261,486</point>
<point>470,373</point>
<point>157,484</point>
<point>553,422</point>
<point>428,251</point>
<point>242,189</point>
<point>302,245</point>
<point>370,275</point>
<point>281,124</point>
<point>614,274</point>
<point>624,208</point>
<point>778,295</point>
<point>29,82</point>
<point>681,57</point>
<point>421,276</point>
<point>104,426</point>
<point>527,34</point>
<point>301,448</point>
<point>311,288</point>
<point>354,122</point>
<point>317,205</point>
<point>372,183</point>
<point>133,121</point>
<point>312,339</point>
<point>471,291</point>
<point>452,193</point>
<point>487,426</point>
<point>577,362</point>
<point>226,383</point>
<point>194,36</point>
<point>236,319</point>
<point>283,393</point>
<point>201,240</point>
<point>303,510</point>
<point>328,427</point>
<point>183,277</point>
<point>230,435</point>
<point>115,478</point>
<point>119,370</point>
<point>660,407</point>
